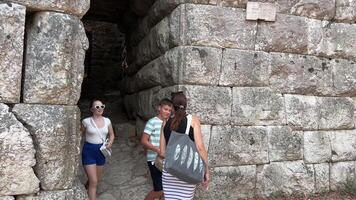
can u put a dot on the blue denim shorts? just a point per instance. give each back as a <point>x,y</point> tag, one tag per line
<point>92,155</point>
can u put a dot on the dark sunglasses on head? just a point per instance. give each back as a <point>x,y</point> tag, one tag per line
<point>98,107</point>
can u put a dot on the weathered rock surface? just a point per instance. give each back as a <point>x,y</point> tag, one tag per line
<point>78,192</point>
<point>285,144</point>
<point>7,198</point>
<point>344,75</point>
<point>319,113</point>
<point>343,145</point>
<point>300,74</point>
<point>322,177</point>
<point>257,106</point>
<point>346,11</point>
<point>12,23</point>
<point>56,134</point>
<point>56,45</point>
<point>285,178</point>
<point>340,173</point>
<point>244,68</point>
<point>317,147</point>
<point>199,25</point>
<point>334,40</point>
<point>231,183</point>
<point>232,145</point>
<point>78,7</point>
<point>17,155</point>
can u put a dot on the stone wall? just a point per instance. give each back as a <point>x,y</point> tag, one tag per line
<point>42,50</point>
<point>277,99</point>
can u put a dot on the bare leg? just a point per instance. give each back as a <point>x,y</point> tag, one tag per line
<point>99,171</point>
<point>154,195</point>
<point>91,171</point>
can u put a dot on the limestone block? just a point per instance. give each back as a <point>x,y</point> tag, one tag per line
<point>317,9</point>
<point>346,11</point>
<point>12,25</point>
<point>17,155</point>
<point>257,106</point>
<point>146,108</point>
<point>233,145</point>
<point>77,192</point>
<point>317,146</point>
<point>343,145</point>
<point>206,133</point>
<point>7,198</point>
<point>214,26</point>
<point>78,7</point>
<point>287,34</point>
<point>244,68</point>
<point>231,183</point>
<point>140,126</point>
<point>337,40</point>
<point>211,104</point>
<point>262,11</point>
<point>322,177</point>
<point>285,178</point>
<point>319,113</point>
<point>344,76</point>
<point>180,65</point>
<point>232,3</point>
<point>340,173</point>
<point>291,73</point>
<point>285,144</point>
<point>54,69</point>
<point>56,134</point>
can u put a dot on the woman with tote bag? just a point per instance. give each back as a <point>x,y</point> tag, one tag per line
<point>173,186</point>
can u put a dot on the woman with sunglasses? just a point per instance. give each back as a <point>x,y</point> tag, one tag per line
<point>96,128</point>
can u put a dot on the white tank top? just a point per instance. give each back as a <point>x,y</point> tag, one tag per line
<point>92,135</point>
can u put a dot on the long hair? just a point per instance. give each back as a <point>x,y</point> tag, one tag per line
<point>179,101</point>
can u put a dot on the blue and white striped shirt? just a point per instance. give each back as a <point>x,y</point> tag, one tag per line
<point>153,129</point>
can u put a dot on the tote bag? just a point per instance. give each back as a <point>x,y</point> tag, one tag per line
<point>182,157</point>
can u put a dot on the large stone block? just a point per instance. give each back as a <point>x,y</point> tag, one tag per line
<point>56,134</point>
<point>54,69</point>
<point>17,155</point>
<point>77,7</point>
<point>340,173</point>
<point>285,144</point>
<point>77,192</point>
<point>287,34</point>
<point>257,106</point>
<point>322,177</point>
<point>7,198</point>
<point>131,105</point>
<point>211,104</point>
<point>146,108</point>
<point>285,178</point>
<point>231,183</point>
<point>298,74</point>
<point>12,25</point>
<point>180,65</point>
<point>344,76</point>
<point>317,9</point>
<point>319,113</point>
<point>343,145</point>
<point>198,25</point>
<point>232,145</point>
<point>337,40</point>
<point>231,3</point>
<point>317,147</point>
<point>244,68</point>
<point>346,11</point>
<point>206,132</point>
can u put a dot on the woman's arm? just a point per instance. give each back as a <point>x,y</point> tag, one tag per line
<point>82,129</point>
<point>198,138</point>
<point>162,141</point>
<point>111,136</point>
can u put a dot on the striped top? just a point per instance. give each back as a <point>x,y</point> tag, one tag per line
<point>153,129</point>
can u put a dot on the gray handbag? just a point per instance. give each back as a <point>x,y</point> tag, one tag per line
<point>182,158</point>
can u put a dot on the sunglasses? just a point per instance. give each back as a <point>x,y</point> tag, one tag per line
<point>98,107</point>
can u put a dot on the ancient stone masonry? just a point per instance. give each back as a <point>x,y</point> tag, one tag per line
<point>277,99</point>
<point>41,64</point>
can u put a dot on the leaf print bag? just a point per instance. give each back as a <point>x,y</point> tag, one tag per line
<point>182,157</point>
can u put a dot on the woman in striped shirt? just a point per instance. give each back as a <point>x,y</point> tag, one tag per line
<point>173,187</point>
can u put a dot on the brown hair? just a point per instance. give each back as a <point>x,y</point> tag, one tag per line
<point>166,102</point>
<point>179,101</point>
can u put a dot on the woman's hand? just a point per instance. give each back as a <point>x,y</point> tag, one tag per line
<point>109,145</point>
<point>206,181</point>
